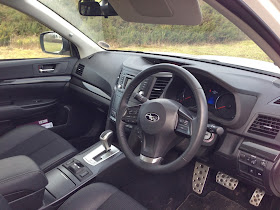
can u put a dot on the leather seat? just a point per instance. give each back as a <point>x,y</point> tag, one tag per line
<point>43,146</point>
<point>100,196</point>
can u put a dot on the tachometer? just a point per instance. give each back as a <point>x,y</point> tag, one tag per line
<point>186,98</point>
<point>225,106</point>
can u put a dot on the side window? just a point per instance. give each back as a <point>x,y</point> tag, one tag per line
<point>20,37</point>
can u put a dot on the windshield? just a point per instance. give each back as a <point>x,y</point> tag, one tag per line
<point>214,37</point>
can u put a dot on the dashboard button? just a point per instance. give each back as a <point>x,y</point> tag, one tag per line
<point>263,163</point>
<point>259,173</point>
<point>252,171</point>
<point>253,161</point>
<point>242,156</point>
<point>248,158</point>
<point>243,167</point>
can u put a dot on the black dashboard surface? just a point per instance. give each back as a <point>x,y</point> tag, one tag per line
<point>246,93</point>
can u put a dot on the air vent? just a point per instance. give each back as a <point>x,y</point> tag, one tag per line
<point>80,69</point>
<point>160,84</point>
<point>265,126</point>
<point>277,101</point>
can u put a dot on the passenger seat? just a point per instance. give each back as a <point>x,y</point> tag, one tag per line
<point>43,146</point>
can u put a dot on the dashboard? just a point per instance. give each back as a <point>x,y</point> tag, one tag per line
<point>244,102</point>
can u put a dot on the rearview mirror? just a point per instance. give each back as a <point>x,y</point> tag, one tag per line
<point>53,43</point>
<point>93,8</point>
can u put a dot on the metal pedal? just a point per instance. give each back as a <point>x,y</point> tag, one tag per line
<point>200,174</point>
<point>226,181</point>
<point>257,197</point>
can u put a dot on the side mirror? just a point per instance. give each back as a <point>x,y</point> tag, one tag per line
<point>53,43</point>
<point>93,8</point>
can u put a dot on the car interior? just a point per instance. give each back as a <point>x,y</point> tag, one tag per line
<point>137,130</point>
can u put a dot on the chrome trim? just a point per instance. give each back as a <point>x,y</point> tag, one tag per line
<point>89,158</point>
<point>96,90</point>
<point>150,160</point>
<point>46,70</point>
<point>152,117</point>
<point>35,80</point>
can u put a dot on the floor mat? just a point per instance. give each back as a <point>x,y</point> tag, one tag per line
<point>212,200</point>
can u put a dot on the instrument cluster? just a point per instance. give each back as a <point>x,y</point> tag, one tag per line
<point>220,101</point>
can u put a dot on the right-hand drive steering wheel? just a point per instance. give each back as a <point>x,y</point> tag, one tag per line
<point>162,121</point>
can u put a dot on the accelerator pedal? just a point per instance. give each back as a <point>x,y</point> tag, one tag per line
<point>257,197</point>
<point>226,180</point>
<point>200,174</point>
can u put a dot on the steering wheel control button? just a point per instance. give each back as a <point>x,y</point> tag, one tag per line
<point>183,126</point>
<point>200,174</point>
<point>226,181</point>
<point>257,197</point>
<point>131,115</point>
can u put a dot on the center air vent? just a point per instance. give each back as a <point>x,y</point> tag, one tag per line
<point>80,69</point>
<point>160,84</point>
<point>265,126</point>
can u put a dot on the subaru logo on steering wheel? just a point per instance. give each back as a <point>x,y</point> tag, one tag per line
<point>153,117</point>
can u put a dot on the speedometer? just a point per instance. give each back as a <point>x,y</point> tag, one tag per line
<point>225,106</point>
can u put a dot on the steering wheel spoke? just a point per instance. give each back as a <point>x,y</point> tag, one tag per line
<point>186,119</point>
<point>131,113</point>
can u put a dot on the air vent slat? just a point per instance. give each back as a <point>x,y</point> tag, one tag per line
<point>80,69</point>
<point>159,86</point>
<point>265,126</point>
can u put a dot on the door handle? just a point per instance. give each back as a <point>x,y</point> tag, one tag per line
<point>46,70</point>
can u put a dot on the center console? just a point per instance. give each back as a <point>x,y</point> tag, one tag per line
<point>75,173</point>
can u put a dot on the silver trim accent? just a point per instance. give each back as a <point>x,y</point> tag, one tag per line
<point>89,158</point>
<point>226,181</point>
<point>46,70</point>
<point>104,139</point>
<point>150,160</point>
<point>257,197</point>
<point>199,178</point>
<point>36,80</point>
<point>96,90</point>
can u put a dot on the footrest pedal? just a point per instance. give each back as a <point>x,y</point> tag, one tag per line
<point>226,180</point>
<point>200,174</point>
<point>257,197</point>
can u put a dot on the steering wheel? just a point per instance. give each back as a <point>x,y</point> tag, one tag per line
<point>162,122</point>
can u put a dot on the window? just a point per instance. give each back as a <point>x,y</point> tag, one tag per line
<point>20,36</point>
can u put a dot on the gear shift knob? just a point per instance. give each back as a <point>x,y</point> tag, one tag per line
<point>106,139</point>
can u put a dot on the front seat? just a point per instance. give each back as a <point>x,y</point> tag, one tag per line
<point>95,196</point>
<point>43,146</point>
<point>100,196</point>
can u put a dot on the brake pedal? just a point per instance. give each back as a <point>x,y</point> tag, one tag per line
<point>257,197</point>
<point>200,174</point>
<point>226,180</point>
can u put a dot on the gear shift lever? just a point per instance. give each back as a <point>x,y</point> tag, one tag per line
<point>106,139</point>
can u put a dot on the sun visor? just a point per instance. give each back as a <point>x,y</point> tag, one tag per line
<point>170,12</point>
